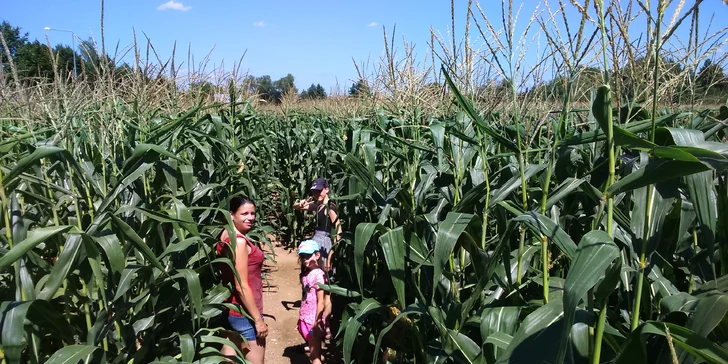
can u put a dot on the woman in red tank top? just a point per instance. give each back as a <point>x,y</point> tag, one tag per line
<point>248,292</point>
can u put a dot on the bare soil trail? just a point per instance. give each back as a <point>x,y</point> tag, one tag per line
<point>281,301</point>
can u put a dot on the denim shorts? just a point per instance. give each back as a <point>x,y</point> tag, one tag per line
<point>323,239</point>
<point>242,325</point>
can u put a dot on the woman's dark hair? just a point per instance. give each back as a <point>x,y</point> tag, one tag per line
<point>238,201</point>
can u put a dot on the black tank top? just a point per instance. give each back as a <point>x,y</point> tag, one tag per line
<point>323,221</point>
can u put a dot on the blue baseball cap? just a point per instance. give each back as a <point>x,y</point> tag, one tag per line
<point>319,184</point>
<point>308,247</point>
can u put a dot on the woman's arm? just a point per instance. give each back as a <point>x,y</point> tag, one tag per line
<point>243,290</point>
<point>334,216</point>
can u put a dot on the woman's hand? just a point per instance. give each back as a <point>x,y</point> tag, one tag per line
<point>303,204</point>
<point>328,265</point>
<point>261,328</point>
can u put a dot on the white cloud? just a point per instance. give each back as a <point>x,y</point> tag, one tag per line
<point>259,24</point>
<point>372,24</point>
<point>173,5</point>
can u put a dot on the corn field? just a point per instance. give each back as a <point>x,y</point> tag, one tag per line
<point>486,227</point>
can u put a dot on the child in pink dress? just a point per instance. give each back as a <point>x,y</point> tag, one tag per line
<point>311,323</point>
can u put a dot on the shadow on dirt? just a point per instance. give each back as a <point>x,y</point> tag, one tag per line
<point>297,355</point>
<point>289,305</point>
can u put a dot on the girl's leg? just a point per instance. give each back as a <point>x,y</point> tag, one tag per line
<point>315,345</point>
<point>327,313</point>
<point>300,326</point>
<point>254,351</point>
<point>229,351</point>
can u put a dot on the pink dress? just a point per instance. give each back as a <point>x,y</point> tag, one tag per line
<point>309,303</point>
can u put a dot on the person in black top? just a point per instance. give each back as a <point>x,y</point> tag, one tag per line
<point>326,218</point>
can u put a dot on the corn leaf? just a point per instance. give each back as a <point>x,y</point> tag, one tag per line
<point>635,350</point>
<point>595,254</point>
<point>362,237</point>
<point>448,234</point>
<point>393,246</point>
<point>366,308</point>
<point>73,354</point>
<point>467,107</point>
<point>35,237</point>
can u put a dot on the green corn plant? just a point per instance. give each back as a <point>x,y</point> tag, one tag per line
<point>87,240</point>
<point>595,266</point>
<point>549,227</point>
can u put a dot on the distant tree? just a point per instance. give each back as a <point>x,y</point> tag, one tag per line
<point>360,89</point>
<point>286,84</point>
<point>90,60</point>
<point>269,90</point>
<point>314,92</point>
<point>202,87</point>
<point>64,56</point>
<point>33,61</point>
<point>633,84</point>
<point>432,88</point>
<point>263,85</point>
<point>249,83</point>
<point>123,73</point>
<point>711,75</point>
<point>585,80</point>
<point>14,39</point>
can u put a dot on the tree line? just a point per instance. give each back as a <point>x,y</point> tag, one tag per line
<point>707,82</point>
<point>274,91</point>
<point>35,63</point>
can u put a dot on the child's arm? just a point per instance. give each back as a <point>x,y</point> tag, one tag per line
<point>320,299</point>
<point>319,306</point>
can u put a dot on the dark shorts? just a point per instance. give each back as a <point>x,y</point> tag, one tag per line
<point>243,325</point>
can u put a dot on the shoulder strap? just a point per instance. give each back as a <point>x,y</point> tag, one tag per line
<point>248,242</point>
<point>238,235</point>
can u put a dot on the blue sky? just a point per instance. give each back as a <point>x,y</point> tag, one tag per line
<point>313,40</point>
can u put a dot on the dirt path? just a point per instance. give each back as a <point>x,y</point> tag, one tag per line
<point>281,300</point>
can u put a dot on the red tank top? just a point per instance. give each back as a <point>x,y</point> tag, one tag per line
<point>255,281</point>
